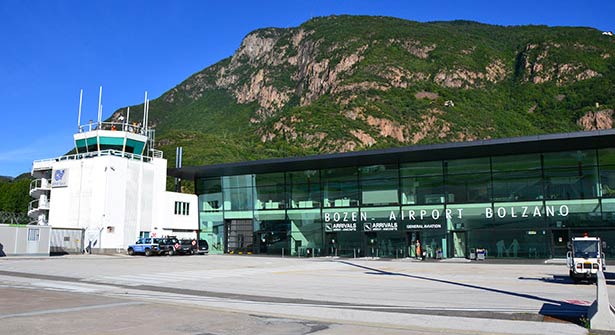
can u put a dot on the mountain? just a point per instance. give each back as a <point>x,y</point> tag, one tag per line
<point>344,83</point>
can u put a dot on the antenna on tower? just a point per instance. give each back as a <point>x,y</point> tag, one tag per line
<point>79,117</point>
<point>146,117</point>
<point>179,152</point>
<point>100,106</point>
<point>145,113</point>
<point>127,118</point>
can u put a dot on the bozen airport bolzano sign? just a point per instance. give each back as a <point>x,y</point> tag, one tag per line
<point>425,219</point>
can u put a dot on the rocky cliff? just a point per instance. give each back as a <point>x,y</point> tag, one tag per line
<point>347,83</point>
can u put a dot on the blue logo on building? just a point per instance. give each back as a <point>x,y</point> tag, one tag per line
<point>60,178</point>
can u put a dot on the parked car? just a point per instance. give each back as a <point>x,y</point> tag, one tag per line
<point>145,245</point>
<point>173,246</point>
<point>202,247</point>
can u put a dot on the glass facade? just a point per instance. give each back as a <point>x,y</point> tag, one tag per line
<point>515,206</point>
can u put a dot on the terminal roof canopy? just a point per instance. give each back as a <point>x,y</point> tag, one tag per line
<point>448,151</point>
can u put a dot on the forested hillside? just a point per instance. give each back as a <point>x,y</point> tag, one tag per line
<point>345,83</point>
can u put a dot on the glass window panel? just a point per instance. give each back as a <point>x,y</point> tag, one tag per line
<point>573,213</point>
<point>421,169</point>
<point>340,187</point>
<point>380,192</point>
<point>531,243</point>
<point>270,197</point>
<point>341,174</point>
<point>433,241</point>
<point>271,236</point>
<point>306,227</point>
<point>468,216</point>
<point>391,244</point>
<point>210,202</point>
<point>340,194</point>
<point>209,185</point>
<point>571,183</point>
<point>608,212</point>
<point>345,243</point>
<point>464,165</point>
<point>303,177</point>
<point>212,230</point>
<point>33,234</point>
<point>464,188</point>
<point>422,190</point>
<point>515,162</point>
<point>265,215</point>
<point>607,181</point>
<point>569,158</point>
<point>517,185</point>
<point>305,195</point>
<point>606,156</point>
<point>518,215</point>
<point>238,199</point>
<point>269,179</point>
<point>378,172</point>
<point>237,181</point>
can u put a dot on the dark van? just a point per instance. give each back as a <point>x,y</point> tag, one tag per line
<point>203,247</point>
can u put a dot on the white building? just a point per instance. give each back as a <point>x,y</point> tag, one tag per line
<point>111,188</point>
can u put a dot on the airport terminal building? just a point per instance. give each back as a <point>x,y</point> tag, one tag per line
<point>515,198</point>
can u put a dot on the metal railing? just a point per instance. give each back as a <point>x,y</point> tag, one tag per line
<point>108,152</point>
<point>134,127</point>
<point>35,205</point>
<point>157,153</point>
<point>39,184</point>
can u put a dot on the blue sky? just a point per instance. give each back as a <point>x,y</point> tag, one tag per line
<point>50,49</point>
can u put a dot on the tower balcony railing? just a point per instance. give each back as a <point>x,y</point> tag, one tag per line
<point>39,186</point>
<point>157,153</point>
<point>36,206</point>
<point>85,155</point>
<point>134,127</point>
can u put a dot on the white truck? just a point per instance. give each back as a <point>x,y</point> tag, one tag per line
<point>585,258</point>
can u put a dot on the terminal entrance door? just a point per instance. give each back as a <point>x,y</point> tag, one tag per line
<point>371,245</point>
<point>331,244</point>
<point>560,242</point>
<point>459,244</point>
<point>411,238</point>
<point>238,236</point>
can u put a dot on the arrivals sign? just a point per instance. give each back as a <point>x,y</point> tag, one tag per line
<point>379,226</point>
<point>340,226</point>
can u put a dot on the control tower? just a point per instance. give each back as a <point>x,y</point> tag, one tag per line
<point>113,187</point>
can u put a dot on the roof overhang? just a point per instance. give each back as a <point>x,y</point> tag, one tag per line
<point>506,146</point>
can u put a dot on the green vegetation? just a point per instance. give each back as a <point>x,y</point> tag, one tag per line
<point>320,87</point>
<point>14,196</point>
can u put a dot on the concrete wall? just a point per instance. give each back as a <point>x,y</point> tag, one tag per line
<point>180,221</point>
<point>24,240</point>
<point>109,197</point>
<point>67,241</point>
<point>113,199</point>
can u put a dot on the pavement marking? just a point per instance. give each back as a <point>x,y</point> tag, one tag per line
<point>166,277</point>
<point>65,310</point>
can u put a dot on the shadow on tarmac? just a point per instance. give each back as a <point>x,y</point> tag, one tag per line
<point>556,309</point>
<point>559,279</point>
<point>554,279</point>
